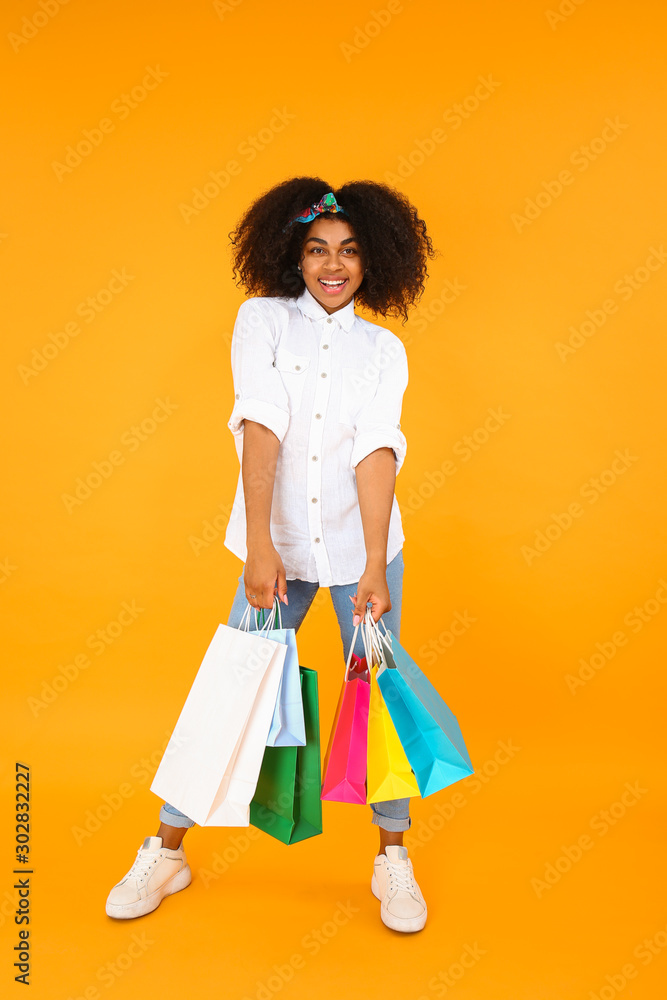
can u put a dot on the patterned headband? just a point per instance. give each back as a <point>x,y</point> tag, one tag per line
<point>327,203</point>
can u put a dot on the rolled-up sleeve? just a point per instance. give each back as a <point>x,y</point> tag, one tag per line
<point>259,392</point>
<point>379,421</point>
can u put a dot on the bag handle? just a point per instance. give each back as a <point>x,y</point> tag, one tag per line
<point>349,655</point>
<point>276,606</point>
<point>352,645</point>
<point>367,648</point>
<point>374,634</point>
<point>374,637</point>
<point>386,631</point>
<point>370,644</point>
<point>384,640</point>
<point>244,624</point>
<point>269,624</point>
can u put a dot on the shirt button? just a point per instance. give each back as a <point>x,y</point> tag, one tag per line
<point>314,458</point>
<point>318,416</point>
<point>325,347</point>
<point>297,368</point>
<point>238,395</point>
<point>317,539</point>
<point>329,320</point>
<point>324,374</point>
<point>314,500</point>
<point>399,426</point>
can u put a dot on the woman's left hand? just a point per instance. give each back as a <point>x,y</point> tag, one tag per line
<point>372,589</point>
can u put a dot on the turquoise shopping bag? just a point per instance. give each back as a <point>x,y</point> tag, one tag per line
<point>428,730</point>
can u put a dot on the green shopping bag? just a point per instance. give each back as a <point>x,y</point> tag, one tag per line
<point>287,802</point>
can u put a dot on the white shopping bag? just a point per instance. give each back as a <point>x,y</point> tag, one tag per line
<point>211,764</point>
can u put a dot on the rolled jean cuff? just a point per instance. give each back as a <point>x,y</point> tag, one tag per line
<point>170,816</point>
<point>395,824</point>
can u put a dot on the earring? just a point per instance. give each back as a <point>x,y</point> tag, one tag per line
<point>298,268</point>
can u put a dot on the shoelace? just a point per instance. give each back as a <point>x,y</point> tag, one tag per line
<point>400,877</point>
<point>141,866</point>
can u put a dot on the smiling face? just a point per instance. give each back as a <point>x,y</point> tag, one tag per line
<point>331,263</point>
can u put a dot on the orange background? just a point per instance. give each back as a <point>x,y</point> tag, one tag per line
<point>362,99</point>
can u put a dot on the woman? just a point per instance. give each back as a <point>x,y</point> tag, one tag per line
<point>316,422</point>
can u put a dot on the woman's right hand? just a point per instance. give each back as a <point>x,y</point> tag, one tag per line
<point>262,569</point>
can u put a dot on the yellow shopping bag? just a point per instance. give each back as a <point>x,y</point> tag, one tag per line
<point>389,775</point>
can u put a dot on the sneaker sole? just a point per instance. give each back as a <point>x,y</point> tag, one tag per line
<point>126,911</point>
<point>407,924</point>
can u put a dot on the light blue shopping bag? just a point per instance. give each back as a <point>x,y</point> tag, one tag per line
<point>427,728</point>
<point>288,728</point>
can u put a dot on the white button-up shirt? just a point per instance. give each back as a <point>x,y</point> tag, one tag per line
<point>331,389</point>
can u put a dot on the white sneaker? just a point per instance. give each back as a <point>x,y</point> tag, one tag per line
<point>403,907</point>
<point>156,873</point>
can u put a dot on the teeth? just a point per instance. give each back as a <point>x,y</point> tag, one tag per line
<point>325,282</point>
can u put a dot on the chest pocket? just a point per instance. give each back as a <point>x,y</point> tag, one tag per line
<point>358,386</point>
<point>292,368</point>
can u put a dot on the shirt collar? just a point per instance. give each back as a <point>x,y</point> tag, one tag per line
<point>309,306</point>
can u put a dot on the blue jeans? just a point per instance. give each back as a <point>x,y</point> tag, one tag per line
<point>394,814</point>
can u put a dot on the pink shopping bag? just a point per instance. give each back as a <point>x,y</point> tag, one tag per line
<point>344,767</point>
